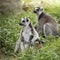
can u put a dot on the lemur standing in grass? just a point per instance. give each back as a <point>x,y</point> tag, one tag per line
<point>29,36</point>
<point>46,24</point>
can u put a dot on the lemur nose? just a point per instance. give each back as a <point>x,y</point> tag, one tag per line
<point>20,24</point>
<point>34,11</point>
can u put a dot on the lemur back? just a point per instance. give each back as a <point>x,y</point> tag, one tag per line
<point>45,21</point>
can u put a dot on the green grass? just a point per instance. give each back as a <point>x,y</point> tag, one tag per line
<point>9,34</point>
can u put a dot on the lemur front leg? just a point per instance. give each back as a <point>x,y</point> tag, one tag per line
<point>22,46</point>
<point>36,42</point>
<point>17,45</point>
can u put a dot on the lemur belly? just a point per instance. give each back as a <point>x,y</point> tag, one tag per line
<point>26,34</point>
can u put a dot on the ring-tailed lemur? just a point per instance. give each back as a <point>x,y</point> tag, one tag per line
<point>29,36</point>
<point>46,24</point>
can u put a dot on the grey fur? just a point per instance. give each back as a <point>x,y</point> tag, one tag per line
<point>46,24</point>
<point>28,36</point>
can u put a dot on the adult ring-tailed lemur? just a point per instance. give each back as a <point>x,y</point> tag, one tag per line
<point>29,36</point>
<point>46,24</point>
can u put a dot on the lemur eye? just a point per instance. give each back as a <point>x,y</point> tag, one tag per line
<point>37,9</point>
<point>27,20</point>
<point>23,21</point>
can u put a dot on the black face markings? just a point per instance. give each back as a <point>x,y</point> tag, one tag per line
<point>41,9</point>
<point>30,25</point>
<point>37,9</point>
<point>27,19</point>
<point>34,11</point>
<point>23,21</point>
<point>20,24</point>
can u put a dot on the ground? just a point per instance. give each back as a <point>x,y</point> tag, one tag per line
<point>10,31</point>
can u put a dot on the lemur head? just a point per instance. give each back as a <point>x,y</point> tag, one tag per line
<point>25,21</point>
<point>38,10</point>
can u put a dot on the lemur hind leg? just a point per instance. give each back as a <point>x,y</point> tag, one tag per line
<point>47,29</point>
<point>17,46</point>
<point>22,46</point>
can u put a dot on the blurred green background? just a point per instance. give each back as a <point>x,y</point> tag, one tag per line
<point>10,30</point>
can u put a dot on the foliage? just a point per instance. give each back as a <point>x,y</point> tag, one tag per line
<point>10,6</point>
<point>10,31</point>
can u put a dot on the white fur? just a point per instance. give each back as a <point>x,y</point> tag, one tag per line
<point>40,12</point>
<point>17,45</point>
<point>49,30</point>
<point>35,36</point>
<point>26,33</point>
<point>22,46</point>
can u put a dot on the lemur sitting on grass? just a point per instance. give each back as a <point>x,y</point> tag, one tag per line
<point>29,36</point>
<point>46,24</point>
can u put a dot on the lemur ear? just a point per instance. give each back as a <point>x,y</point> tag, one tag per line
<point>22,18</point>
<point>27,19</point>
<point>41,8</point>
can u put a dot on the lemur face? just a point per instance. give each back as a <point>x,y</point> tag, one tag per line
<point>24,21</point>
<point>38,10</point>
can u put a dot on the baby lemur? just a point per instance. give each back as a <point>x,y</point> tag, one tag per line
<point>29,36</point>
<point>46,24</point>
